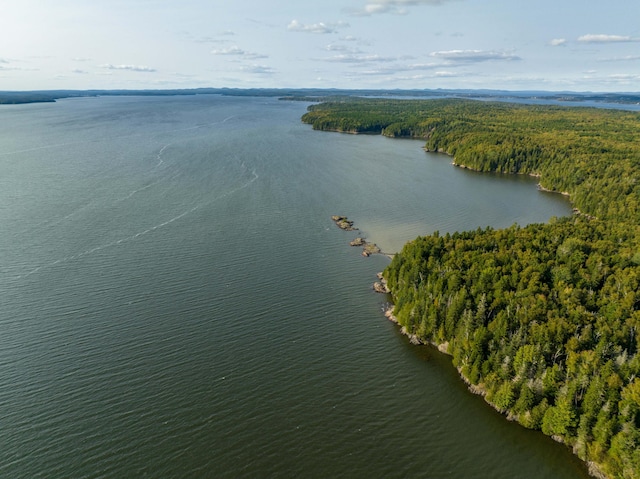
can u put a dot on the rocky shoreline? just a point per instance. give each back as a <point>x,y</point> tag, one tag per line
<point>414,339</point>
<point>593,467</point>
<point>381,285</point>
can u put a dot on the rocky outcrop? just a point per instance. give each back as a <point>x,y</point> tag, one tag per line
<point>380,287</point>
<point>346,224</point>
<point>369,249</point>
<point>343,223</point>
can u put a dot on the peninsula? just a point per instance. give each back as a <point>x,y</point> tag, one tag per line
<point>544,320</point>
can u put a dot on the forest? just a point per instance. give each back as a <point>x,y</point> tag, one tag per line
<point>542,320</point>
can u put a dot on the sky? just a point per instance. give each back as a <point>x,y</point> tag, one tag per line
<point>551,45</point>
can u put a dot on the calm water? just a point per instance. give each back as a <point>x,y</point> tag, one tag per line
<point>176,301</point>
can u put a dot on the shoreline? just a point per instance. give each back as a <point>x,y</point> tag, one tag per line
<point>381,287</point>
<point>593,468</point>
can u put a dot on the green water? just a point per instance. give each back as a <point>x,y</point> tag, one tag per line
<point>178,303</point>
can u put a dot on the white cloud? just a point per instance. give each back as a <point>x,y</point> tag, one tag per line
<point>209,40</point>
<point>336,47</point>
<point>423,66</point>
<point>392,6</point>
<point>234,50</point>
<point>420,77</point>
<point>258,69</point>
<point>412,78</point>
<point>388,65</point>
<point>359,58</point>
<point>133,68</point>
<point>602,38</point>
<point>618,80</point>
<point>237,51</point>
<point>628,58</point>
<point>79,72</point>
<point>474,56</point>
<point>6,65</point>
<point>394,69</point>
<point>558,42</point>
<point>625,76</point>
<point>322,28</point>
<point>377,71</point>
<point>214,39</point>
<point>373,8</point>
<point>446,74</point>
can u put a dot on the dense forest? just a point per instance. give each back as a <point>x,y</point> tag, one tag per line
<point>543,320</point>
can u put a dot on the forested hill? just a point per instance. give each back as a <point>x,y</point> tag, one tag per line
<point>543,320</point>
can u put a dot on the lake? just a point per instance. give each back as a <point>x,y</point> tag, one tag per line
<point>178,303</point>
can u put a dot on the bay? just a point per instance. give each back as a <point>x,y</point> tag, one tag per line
<point>178,303</point>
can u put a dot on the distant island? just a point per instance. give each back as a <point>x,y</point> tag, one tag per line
<point>543,320</point>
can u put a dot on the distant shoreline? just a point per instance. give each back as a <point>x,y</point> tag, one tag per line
<point>318,94</point>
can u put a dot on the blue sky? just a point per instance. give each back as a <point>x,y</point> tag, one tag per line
<point>577,45</point>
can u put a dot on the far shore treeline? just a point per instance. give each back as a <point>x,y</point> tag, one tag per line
<point>543,320</point>
<point>321,94</point>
